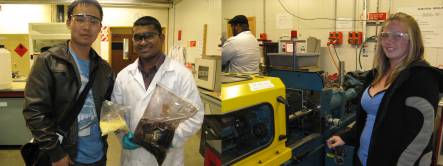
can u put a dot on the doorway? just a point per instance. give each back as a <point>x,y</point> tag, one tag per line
<point>121,47</point>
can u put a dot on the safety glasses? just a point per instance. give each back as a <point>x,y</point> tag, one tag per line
<point>84,18</point>
<point>138,37</point>
<point>393,35</point>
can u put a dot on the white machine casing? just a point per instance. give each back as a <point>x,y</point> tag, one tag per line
<point>208,72</point>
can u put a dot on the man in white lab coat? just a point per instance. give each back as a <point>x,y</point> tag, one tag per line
<point>135,85</point>
<point>241,52</point>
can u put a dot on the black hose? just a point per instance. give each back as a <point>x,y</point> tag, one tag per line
<point>333,46</point>
<point>361,48</point>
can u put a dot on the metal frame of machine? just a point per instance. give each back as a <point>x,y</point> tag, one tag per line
<point>237,99</point>
<point>323,111</point>
<point>304,115</point>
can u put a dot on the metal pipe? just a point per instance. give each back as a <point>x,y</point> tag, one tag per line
<point>355,29</point>
<point>264,16</point>
<point>390,5</point>
<point>376,22</point>
<point>335,122</point>
<point>300,114</point>
<point>335,16</point>
<point>365,12</point>
<point>342,72</point>
<point>364,23</point>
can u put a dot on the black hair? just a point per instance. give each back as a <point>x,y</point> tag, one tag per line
<point>244,27</point>
<point>43,49</point>
<point>77,2</point>
<point>149,21</point>
<point>240,20</point>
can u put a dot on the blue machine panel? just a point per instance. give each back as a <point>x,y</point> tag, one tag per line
<point>299,79</point>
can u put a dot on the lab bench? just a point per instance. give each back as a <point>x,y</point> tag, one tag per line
<point>13,129</point>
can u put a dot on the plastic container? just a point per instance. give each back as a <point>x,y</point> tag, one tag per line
<point>5,68</point>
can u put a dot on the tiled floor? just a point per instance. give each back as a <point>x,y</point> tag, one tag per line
<point>12,157</point>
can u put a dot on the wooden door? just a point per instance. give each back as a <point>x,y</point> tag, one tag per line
<point>121,37</point>
<point>121,48</point>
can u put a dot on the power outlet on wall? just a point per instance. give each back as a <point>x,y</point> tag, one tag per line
<point>364,52</point>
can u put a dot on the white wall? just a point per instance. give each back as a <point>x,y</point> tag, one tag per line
<point>125,17</point>
<point>190,16</point>
<point>350,9</point>
<point>14,18</point>
<point>113,16</point>
<point>231,8</point>
<point>433,55</point>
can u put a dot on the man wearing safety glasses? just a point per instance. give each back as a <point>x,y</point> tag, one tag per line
<point>135,86</point>
<point>53,91</point>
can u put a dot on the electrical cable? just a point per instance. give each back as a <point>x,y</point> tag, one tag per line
<point>333,46</point>
<point>310,19</point>
<point>359,55</point>
<point>361,48</point>
<point>333,60</point>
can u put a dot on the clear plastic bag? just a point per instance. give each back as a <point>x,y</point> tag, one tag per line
<point>112,117</point>
<point>156,128</point>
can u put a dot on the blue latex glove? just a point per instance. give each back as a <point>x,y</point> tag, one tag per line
<point>127,143</point>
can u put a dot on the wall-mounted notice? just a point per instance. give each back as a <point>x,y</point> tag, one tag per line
<point>284,21</point>
<point>344,24</point>
<point>429,19</point>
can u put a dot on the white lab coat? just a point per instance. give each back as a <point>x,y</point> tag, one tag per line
<point>241,53</point>
<point>129,90</point>
<point>178,53</point>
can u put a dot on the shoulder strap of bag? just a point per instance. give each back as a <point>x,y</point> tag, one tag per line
<point>72,116</point>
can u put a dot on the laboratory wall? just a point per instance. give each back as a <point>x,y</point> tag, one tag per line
<point>189,17</point>
<point>14,18</point>
<point>19,62</point>
<point>319,17</point>
<point>231,8</point>
<point>125,17</point>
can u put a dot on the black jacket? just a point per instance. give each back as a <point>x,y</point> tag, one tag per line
<point>51,91</point>
<point>404,125</point>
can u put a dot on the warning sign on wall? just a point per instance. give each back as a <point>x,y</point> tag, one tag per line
<point>104,34</point>
<point>192,43</point>
<point>21,50</point>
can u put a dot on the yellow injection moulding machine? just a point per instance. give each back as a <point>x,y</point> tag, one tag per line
<point>250,128</point>
<point>259,123</point>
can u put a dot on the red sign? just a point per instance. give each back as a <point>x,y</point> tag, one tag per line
<point>377,16</point>
<point>21,50</point>
<point>104,37</point>
<point>192,43</point>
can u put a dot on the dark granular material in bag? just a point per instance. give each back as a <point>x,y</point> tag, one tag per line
<point>156,137</point>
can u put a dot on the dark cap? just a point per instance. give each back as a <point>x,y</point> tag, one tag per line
<point>239,19</point>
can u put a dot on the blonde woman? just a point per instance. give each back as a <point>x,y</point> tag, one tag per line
<point>395,122</point>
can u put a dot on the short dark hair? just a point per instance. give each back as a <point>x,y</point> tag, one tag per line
<point>149,21</point>
<point>77,2</point>
<point>239,20</point>
<point>244,27</point>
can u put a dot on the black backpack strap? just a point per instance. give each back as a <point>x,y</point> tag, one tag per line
<point>72,116</point>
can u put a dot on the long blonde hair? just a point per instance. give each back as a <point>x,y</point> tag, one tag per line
<point>416,49</point>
